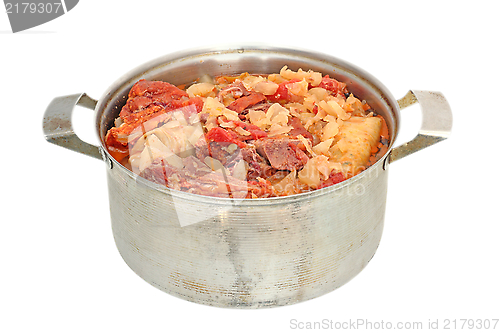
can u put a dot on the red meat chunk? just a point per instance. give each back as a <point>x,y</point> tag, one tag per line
<point>282,154</point>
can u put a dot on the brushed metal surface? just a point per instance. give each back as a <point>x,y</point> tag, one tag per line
<point>58,126</point>
<point>258,253</point>
<point>436,125</point>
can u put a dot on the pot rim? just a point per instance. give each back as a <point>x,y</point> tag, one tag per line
<point>140,71</point>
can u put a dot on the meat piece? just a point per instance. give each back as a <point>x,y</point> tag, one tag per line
<point>282,154</point>
<point>158,172</point>
<point>150,88</point>
<point>222,185</point>
<point>257,165</point>
<point>197,178</point>
<point>193,167</point>
<point>240,104</point>
<point>219,185</point>
<point>201,148</point>
<point>298,129</point>
<point>147,100</point>
<point>222,152</point>
<point>144,93</point>
<point>237,89</point>
<point>260,107</point>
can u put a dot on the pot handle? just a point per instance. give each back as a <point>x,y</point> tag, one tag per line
<point>436,122</point>
<point>57,124</point>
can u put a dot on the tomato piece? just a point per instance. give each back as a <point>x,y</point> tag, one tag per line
<point>259,189</point>
<point>190,107</point>
<point>282,94</point>
<point>333,85</point>
<point>197,102</point>
<point>256,132</point>
<point>218,134</point>
<point>335,178</point>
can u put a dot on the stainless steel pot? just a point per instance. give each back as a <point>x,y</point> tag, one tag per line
<point>248,253</point>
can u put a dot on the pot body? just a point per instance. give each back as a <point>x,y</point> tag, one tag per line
<point>252,254</point>
<point>247,253</point>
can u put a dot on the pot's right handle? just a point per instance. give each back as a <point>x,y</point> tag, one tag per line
<point>436,122</point>
<point>58,128</point>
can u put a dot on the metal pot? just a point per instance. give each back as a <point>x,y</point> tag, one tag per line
<point>248,253</point>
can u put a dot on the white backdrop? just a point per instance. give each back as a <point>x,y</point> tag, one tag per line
<point>439,255</point>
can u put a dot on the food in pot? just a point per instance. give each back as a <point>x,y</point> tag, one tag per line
<point>247,136</point>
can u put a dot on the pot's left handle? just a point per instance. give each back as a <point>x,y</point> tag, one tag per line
<point>57,124</point>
